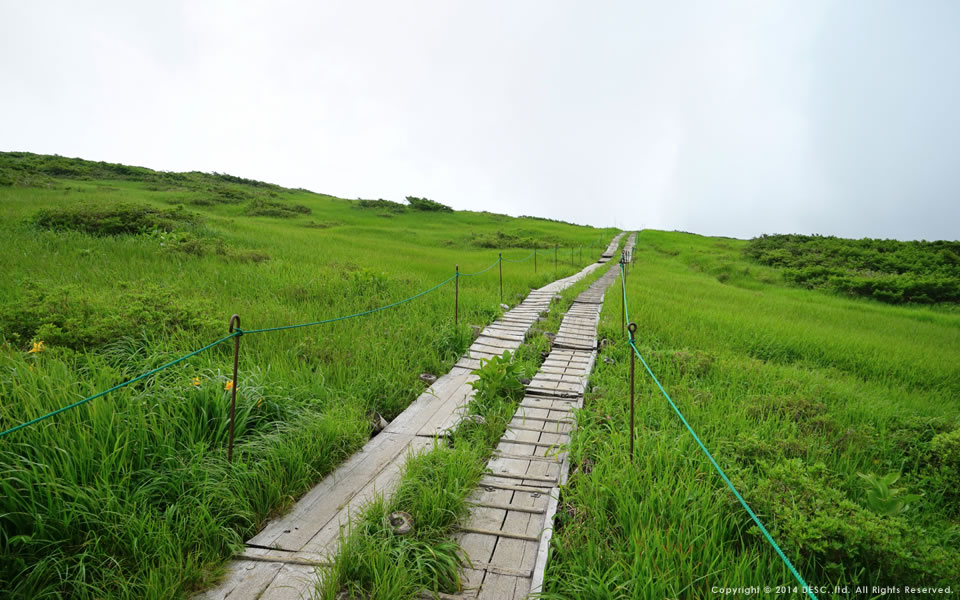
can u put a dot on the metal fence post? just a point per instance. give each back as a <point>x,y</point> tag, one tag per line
<point>623,302</point>
<point>534,259</point>
<point>633,358</point>
<point>456,298</point>
<point>500,262</point>
<point>234,321</point>
<point>554,257</point>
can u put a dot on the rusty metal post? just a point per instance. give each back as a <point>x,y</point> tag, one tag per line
<point>633,358</point>
<point>456,299</point>
<point>500,262</point>
<point>234,321</point>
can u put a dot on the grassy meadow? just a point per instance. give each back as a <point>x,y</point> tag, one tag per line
<point>837,419</point>
<point>118,270</point>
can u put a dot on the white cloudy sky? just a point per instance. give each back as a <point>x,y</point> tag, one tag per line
<point>720,117</point>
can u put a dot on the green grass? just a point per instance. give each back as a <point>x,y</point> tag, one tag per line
<point>130,495</point>
<point>795,393</point>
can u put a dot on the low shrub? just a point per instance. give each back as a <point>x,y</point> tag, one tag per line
<point>79,318</point>
<point>387,205</point>
<point>116,219</point>
<point>890,271</point>
<point>425,204</point>
<point>188,243</point>
<point>804,509</point>
<point>266,208</point>
<point>502,239</point>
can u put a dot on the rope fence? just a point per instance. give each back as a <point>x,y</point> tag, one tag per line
<point>237,332</point>
<point>631,340</point>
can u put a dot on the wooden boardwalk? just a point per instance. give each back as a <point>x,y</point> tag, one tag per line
<point>628,248</point>
<point>611,250</point>
<point>507,536</point>
<point>280,562</point>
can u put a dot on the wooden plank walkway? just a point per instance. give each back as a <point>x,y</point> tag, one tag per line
<point>611,249</point>
<point>279,563</point>
<point>507,536</point>
<point>628,248</point>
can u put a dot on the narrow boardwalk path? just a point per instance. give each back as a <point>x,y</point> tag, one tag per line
<point>611,249</point>
<point>507,536</point>
<point>279,563</point>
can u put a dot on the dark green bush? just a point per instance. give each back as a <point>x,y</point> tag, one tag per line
<point>266,208</point>
<point>804,509</point>
<point>187,243</point>
<point>502,239</point>
<point>80,318</point>
<point>387,205</point>
<point>426,204</point>
<point>890,271</point>
<point>115,219</point>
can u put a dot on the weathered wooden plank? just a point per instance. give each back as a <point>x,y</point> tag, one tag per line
<point>530,457</point>
<point>498,587</point>
<point>494,346</point>
<point>246,580</point>
<point>524,418</point>
<point>525,477</point>
<point>284,556</point>
<point>335,487</point>
<point>477,546</point>
<point>484,519</point>
<point>420,410</point>
<point>555,427</point>
<point>447,415</point>
<point>324,541</point>
<point>293,582</point>
<point>532,488</point>
<point>501,534</point>
<point>509,507</point>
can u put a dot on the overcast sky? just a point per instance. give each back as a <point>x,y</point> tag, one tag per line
<point>724,118</point>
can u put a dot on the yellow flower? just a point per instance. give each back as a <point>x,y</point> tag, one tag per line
<point>37,347</point>
<point>196,381</point>
<point>229,385</point>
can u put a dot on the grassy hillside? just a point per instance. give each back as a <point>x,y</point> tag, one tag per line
<point>118,270</point>
<point>812,403</point>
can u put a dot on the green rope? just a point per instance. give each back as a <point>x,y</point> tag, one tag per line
<point>239,332</point>
<point>117,387</point>
<point>528,257</point>
<point>236,333</point>
<point>479,272</point>
<point>723,475</point>
<point>359,314</point>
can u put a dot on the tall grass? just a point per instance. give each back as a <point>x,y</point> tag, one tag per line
<point>130,496</point>
<point>795,392</point>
